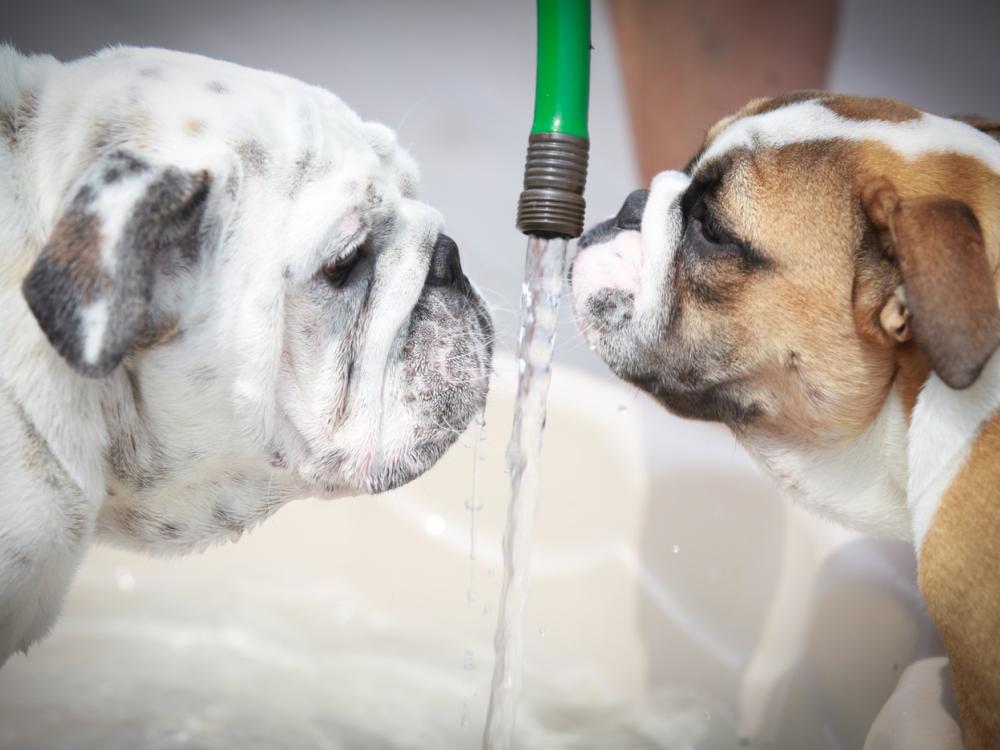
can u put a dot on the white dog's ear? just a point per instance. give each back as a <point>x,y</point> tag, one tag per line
<point>91,284</point>
<point>948,295</point>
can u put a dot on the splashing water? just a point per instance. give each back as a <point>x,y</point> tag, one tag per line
<point>544,268</point>
<point>472,504</point>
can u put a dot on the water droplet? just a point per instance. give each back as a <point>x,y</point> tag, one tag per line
<point>125,580</point>
<point>434,525</point>
<point>676,549</point>
<point>592,347</point>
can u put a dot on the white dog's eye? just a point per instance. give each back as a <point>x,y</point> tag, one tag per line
<point>338,271</point>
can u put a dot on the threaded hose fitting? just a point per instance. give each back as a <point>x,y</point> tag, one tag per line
<point>555,174</point>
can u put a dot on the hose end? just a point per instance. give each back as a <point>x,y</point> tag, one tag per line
<point>555,174</point>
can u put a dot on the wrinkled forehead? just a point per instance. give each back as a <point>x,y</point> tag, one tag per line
<point>186,104</point>
<point>862,122</point>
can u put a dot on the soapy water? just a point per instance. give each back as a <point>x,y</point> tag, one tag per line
<point>286,662</point>
<point>544,270</point>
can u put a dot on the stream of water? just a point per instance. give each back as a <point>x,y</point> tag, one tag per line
<point>544,269</point>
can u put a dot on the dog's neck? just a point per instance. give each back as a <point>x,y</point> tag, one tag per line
<point>860,482</point>
<point>179,482</point>
<point>945,424</point>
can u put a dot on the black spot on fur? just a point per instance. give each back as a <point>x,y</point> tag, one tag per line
<point>232,185</point>
<point>254,156</point>
<point>306,168</point>
<point>203,375</point>
<point>9,126</point>
<point>132,522</point>
<point>217,87</point>
<point>78,524</point>
<point>169,531</point>
<point>122,164</point>
<point>40,462</point>
<point>610,309</point>
<point>15,120</point>
<point>15,558</point>
<point>227,520</point>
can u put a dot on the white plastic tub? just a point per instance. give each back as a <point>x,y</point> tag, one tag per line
<point>676,602</point>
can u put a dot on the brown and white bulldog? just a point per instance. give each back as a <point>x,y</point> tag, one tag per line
<point>822,278</point>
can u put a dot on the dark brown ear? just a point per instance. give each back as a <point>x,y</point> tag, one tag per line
<point>90,286</point>
<point>949,292</point>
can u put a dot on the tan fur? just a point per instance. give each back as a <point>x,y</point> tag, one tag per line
<point>75,244</point>
<point>839,380</point>
<point>870,108</point>
<point>942,175</point>
<point>960,580</point>
<point>910,377</point>
<point>801,311</point>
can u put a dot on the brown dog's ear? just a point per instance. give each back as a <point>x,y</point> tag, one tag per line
<point>948,297</point>
<point>90,286</point>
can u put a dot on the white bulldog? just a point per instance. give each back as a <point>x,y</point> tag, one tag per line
<point>218,293</point>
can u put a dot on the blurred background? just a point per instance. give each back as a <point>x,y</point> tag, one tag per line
<point>677,599</point>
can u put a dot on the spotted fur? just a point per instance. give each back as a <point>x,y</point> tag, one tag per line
<point>181,361</point>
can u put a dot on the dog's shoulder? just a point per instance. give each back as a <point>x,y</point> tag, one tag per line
<point>955,493</point>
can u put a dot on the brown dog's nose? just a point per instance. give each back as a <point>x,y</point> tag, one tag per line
<point>630,214</point>
<point>445,269</point>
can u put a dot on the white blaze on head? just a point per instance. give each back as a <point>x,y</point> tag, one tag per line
<point>94,323</point>
<point>807,121</point>
<point>115,205</point>
<point>662,227</point>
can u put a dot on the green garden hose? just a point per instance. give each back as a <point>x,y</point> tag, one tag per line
<point>555,171</point>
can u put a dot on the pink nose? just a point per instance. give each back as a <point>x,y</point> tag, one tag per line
<point>615,264</point>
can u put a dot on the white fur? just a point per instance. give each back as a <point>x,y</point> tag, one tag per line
<point>944,425</point>
<point>811,121</point>
<point>94,322</point>
<point>860,482</point>
<point>660,238</point>
<point>252,403</point>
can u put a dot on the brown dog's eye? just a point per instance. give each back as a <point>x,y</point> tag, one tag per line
<point>337,272</point>
<point>710,228</point>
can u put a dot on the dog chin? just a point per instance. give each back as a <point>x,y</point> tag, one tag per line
<point>337,474</point>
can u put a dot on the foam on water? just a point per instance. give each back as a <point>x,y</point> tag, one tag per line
<point>544,269</point>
